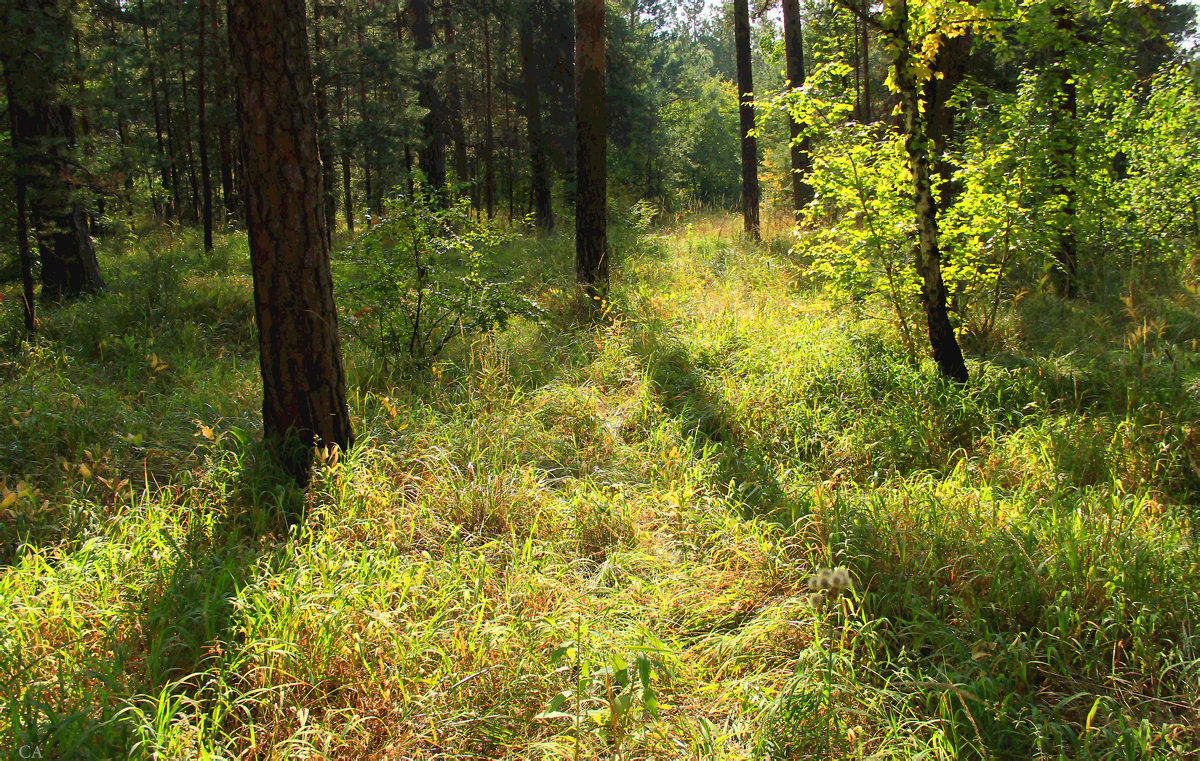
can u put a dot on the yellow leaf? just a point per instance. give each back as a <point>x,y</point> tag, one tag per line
<point>206,432</point>
<point>85,471</point>
<point>8,500</point>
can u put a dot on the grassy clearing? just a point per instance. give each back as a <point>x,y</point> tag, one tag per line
<point>581,543</point>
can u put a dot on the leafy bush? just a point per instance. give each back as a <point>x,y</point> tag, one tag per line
<point>424,275</point>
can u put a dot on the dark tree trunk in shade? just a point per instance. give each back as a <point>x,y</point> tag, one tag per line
<point>193,178</point>
<point>951,64</point>
<point>801,156</point>
<point>489,171</point>
<point>35,55</point>
<point>943,342</point>
<point>304,387</point>
<point>163,161</point>
<point>745,75</point>
<point>325,137</point>
<point>347,190</point>
<point>431,159</point>
<point>1064,141</point>
<point>539,164</point>
<point>201,82</point>
<point>28,309</point>
<point>591,127</point>
<point>454,107</point>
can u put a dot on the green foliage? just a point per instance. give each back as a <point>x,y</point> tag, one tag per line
<point>424,276</point>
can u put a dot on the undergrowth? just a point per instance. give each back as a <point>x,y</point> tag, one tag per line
<point>580,542</point>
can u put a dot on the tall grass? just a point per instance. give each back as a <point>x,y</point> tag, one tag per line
<point>583,542</point>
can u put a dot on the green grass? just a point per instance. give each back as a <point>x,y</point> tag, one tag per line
<point>582,542</point>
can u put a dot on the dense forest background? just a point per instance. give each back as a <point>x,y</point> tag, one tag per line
<point>812,379</point>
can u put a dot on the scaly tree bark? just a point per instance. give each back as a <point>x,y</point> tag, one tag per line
<point>539,165</point>
<point>793,41</point>
<point>745,76</point>
<point>36,55</point>
<point>432,158</point>
<point>946,351</point>
<point>591,126</point>
<point>304,387</point>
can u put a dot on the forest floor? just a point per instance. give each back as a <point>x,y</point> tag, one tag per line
<point>595,542</point>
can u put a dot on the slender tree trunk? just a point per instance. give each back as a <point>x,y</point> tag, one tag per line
<point>304,387</point>
<point>201,82</point>
<point>347,190</point>
<point>431,158</point>
<point>591,128</point>
<point>793,41</point>
<point>865,48</point>
<point>162,160</point>
<point>454,106</point>
<point>193,181</point>
<point>750,193</point>
<point>324,136</point>
<point>946,351</point>
<point>1064,145</point>
<point>539,167</point>
<point>28,310</point>
<point>489,171</point>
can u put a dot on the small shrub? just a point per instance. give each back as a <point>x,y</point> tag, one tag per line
<point>425,275</point>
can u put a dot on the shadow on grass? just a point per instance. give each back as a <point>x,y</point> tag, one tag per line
<point>165,648</point>
<point>742,465</point>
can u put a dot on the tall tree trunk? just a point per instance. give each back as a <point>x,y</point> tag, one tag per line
<point>489,171</point>
<point>224,148</point>
<point>793,41</point>
<point>28,310</point>
<point>865,49</point>
<point>201,81</point>
<point>162,160</point>
<point>750,194</point>
<point>454,107</point>
<point>946,351</point>
<point>347,190</point>
<point>324,134</point>
<point>431,158</point>
<point>35,55</point>
<point>193,180</point>
<point>1064,145</point>
<point>591,129</point>
<point>304,387</point>
<point>539,166</point>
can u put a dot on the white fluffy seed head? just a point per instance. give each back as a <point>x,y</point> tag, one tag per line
<point>816,600</point>
<point>812,584</point>
<point>840,578</point>
<point>824,579</point>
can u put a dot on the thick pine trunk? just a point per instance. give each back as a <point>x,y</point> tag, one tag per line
<point>942,341</point>
<point>539,165</point>
<point>454,107</point>
<point>793,41</point>
<point>304,388</point>
<point>745,75</point>
<point>431,159</point>
<point>591,127</point>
